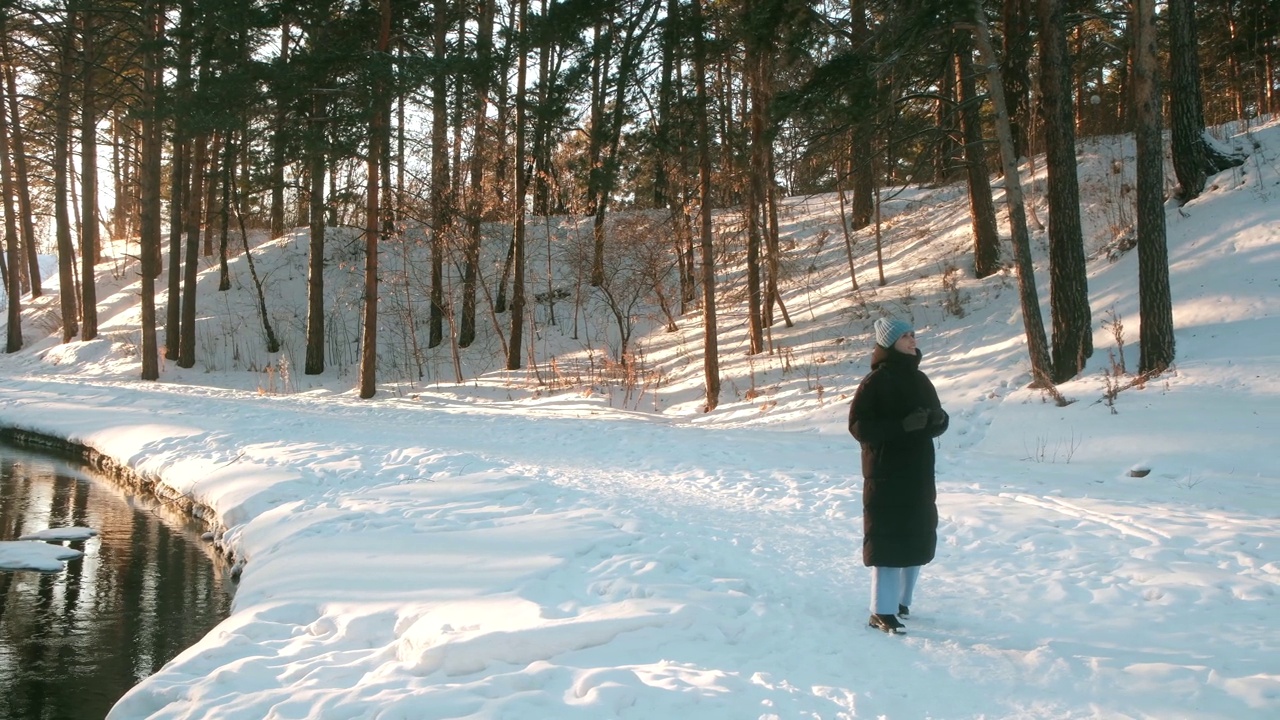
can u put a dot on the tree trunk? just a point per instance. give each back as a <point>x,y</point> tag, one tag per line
<point>844,230</point>
<point>522,190</point>
<point>502,166</point>
<point>633,37</point>
<point>212,173</point>
<point>378,138</point>
<point>475,204</point>
<point>1194,159</point>
<point>61,185</point>
<point>1184,101</point>
<point>1033,324</point>
<point>90,246</point>
<point>711,351</point>
<point>273,344</point>
<point>947,152</point>
<point>17,142</point>
<point>13,286</point>
<point>982,210</point>
<point>315,256</point>
<point>277,143</point>
<point>541,150</point>
<point>121,178</point>
<point>502,177</point>
<point>1155,303</point>
<point>755,69</point>
<point>440,181</point>
<point>595,142</point>
<point>774,249</point>
<point>178,190</point>
<point>179,168</point>
<point>1014,71</point>
<point>226,178</point>
<point>1068,280</point>
<point>191,261</point>
<point>149,180</point>
<point>862,145</point>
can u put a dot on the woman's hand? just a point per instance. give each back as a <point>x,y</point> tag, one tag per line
<point>915,420</point>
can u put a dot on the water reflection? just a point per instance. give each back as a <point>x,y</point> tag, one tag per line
<point>72,642</point>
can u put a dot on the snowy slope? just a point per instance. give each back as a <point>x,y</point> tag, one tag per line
<point>505,549</point>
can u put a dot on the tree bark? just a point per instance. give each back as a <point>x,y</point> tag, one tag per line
<point>710,352</point>
<point>149,179</point>
<point>1155,303</point>
<point>755,69</point>
<point>121,178</point>
<point>634,33</point>
<point>947,151</point>
<point>17,140</point>
<point>316,226</point>
<point>774,249</point>
<point>90,246</point>
<point>862,143</point>
<point>191,261</point>
<point>212,172</point>
<point>1194,159</point>
<point>982,210</point>
<point>1068,280</point>
<point>514,350</point>
<point>595,143</point>
<point>179,169</point>
<point>226,179</point>
<point>277,143</point>
<point>178,189</point>
<point>475,204</point>
<point>13,286</point>
<point>61,185</point>
<point>379,126</point>
<point>1014,70</point>
<point>440,181</point>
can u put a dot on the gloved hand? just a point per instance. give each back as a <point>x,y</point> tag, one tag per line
<point>936,417</point>
<point>915,420</point>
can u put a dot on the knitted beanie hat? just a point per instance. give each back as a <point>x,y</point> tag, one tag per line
<point>888,330</point>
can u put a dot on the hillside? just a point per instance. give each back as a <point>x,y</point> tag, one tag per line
<point>557,542</point>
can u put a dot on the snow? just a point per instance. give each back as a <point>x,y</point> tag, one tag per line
<point>42,556</point>
<point>74,532</point>
<point>31,552</point>
<point>503,548</point>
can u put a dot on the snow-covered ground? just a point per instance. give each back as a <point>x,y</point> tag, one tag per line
<point>508,549</point>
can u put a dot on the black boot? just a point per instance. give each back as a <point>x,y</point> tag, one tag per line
<point>887,623</point>
<point>904,611</point>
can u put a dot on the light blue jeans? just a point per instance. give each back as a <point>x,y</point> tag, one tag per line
<point>891,587</point>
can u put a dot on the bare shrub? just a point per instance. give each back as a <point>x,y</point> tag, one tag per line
<point>952,301</point>
<point>638,267</point>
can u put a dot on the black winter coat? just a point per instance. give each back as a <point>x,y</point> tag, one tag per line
<point>899,497</point>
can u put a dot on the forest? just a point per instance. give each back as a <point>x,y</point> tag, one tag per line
<point>185,126</point>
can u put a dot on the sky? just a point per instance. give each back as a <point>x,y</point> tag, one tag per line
<point>562,543</point>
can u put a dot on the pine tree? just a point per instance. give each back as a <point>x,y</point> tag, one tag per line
<point>379,140</point>
<point>982,212</point>
<point>1194,157</point>
<point>514,352</point>
<point>89,244</point>
<point>710,351</point>
<point>1155,302</point>
<point>18,151</point>
<point>63,38</point>
<point>1033,324</point>
<point>13,263</point>
<point>1068,283</point>
<point>152,52</point>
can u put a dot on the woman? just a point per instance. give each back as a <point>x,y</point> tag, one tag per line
<point>895,415</point>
